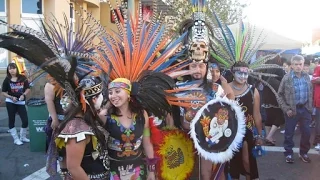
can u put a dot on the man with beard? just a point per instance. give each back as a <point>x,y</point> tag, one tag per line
<point>213,84</point>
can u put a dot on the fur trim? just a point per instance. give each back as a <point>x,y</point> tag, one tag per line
<point>226,155</point>
<point>176,155</point>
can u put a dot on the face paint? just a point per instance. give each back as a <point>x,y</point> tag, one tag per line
<point>98,103</point>
<point>213,66</point>
<point>241,77</point>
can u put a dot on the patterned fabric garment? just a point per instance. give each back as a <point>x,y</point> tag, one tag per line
<point>95,161</point>
<point>214,92</point>
<point>300,88</point>
<point>246,102</point>
<point>316,75</point>
<point>210,91</point>
<point>125,149</point>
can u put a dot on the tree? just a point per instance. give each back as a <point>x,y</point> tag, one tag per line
<point>228,10</point>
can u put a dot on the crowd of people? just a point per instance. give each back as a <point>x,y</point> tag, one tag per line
<point>111,105</point>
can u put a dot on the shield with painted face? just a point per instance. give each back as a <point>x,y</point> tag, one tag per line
<point>217,129</point>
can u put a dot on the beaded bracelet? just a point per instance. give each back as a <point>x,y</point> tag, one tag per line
<point>151,163</point>
<point>259,137</point>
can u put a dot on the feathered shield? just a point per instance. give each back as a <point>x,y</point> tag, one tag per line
<point>218,129</point>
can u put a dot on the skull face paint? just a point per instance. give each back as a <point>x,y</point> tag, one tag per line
<point>241,74</point>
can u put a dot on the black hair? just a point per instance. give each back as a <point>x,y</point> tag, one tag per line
<point>13,66</point>
<point>90,116</point>
<point>134,107</point>
<point>283,60</point>
<point>287,62</point>
<point>239,64</point>
<point>307,62</point>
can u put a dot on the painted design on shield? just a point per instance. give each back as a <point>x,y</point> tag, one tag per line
<point>127,173</point>
<point>174,157</point>
<point>195,105</point>
<point>217,127</point>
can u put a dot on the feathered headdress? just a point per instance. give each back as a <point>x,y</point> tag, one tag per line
<point>142,52</point>
<point>197,29</point>
<point>229,49</point>
<point>57,50</point>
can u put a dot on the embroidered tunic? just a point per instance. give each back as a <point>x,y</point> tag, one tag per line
<point>246,100</point>
<point>125,149</point>
<point>95,162</point>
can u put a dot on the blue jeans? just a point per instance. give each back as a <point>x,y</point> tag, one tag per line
<point>304,117</point>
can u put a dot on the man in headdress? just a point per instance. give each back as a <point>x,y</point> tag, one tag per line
<point>206,72</point>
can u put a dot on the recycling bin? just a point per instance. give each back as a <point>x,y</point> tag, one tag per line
<point>37,118</point>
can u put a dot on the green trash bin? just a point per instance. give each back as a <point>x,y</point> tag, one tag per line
<point>37,118</point>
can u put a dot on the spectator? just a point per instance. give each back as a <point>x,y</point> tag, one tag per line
<point>306,68</point>
<point>15,87</point>
<point>286,64</point>
<point>295,93</point>
<point>316,61</point>
<point>316,99</point>
<point>275,117</point>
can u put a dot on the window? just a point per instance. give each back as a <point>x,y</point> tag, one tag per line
<point>32,8</point>
<point>32,23</point>
<point>3,29</point>
<point>2,6</point>
<point>3,52</point>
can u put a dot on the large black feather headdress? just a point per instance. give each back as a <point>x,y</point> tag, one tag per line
<point>56,49</point>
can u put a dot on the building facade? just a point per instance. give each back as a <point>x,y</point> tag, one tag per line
<point>30,13</point>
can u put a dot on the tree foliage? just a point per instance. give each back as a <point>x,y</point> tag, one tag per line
<point>228,10</point>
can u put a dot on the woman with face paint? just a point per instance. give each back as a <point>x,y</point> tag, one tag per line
<point>248,97</point>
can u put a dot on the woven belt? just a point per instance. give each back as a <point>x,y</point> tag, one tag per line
<point>100,176</point>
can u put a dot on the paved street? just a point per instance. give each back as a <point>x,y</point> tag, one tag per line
<point>17,162</point>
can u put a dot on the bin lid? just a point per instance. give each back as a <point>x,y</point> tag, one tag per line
<point>36,102</point>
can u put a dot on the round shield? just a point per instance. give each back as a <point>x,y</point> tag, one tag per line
<point>176,154</point>
<point>217,129</point>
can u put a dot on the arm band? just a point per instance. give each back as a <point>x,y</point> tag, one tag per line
<point>146,132</point>
<point>151,163</point>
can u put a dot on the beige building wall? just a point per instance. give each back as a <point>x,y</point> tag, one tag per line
<point>100,11</point>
